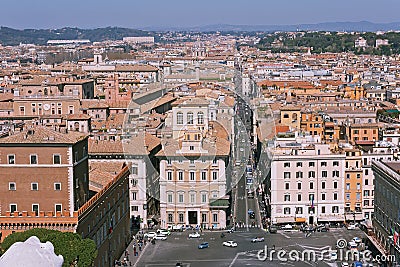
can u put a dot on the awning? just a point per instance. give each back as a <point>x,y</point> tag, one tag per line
<point>300,220</point>
<point>220,203</point>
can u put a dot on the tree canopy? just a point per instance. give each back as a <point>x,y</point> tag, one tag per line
<point>69,245</point>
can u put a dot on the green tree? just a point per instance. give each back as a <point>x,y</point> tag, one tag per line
<point>69,245</point>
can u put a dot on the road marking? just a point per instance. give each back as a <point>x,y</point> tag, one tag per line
<point>237,255</point>
<point>285,235</point>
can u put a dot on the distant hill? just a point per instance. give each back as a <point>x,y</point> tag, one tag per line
<point>326,26</point>
<point>9,36</point>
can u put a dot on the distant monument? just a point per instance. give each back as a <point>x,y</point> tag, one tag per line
<point>31,253</point>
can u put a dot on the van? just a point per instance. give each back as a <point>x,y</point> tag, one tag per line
<point>273,229</point>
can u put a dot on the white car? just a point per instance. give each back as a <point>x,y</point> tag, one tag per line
<point>160,237</point>
<point>163,232</point>
<point>357,240</point>
<point>345,264</point>
<point>150,235</point>
<point>333,256</point>
<point>231,244</point>
<point>241,149</point>
<point>351,227</point>
<point>287,227</point>
<point>194,235</point>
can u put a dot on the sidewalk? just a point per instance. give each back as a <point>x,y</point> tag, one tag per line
<point>129,258</point>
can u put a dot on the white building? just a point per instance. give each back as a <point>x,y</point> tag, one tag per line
<point>360,42</point>
<point>307,182</point>
<point>380,151</point>
<point>139,39</point>
<point>193,182</point>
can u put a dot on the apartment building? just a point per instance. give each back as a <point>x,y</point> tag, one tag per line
<point>387,205</point>
<point>373,151</point>
<point>193,184</point>
<point>353,184</point>
<point>312,122</point>
<point>306,181</point>
<point>38,162</point>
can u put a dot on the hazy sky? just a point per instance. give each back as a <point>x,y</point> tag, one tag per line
<point>23,14</point>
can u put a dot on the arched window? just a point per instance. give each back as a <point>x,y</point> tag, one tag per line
<point>200,117</point>
<point>190,118</point>
<point>179,118</point>
<point>294,116</point>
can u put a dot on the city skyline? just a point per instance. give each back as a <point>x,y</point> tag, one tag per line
<point>91,14</point>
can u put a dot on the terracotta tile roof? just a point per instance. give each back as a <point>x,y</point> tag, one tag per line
<point>43,135</point>
<point>93,104</point>
<point>6,105</point>
<point>75,117</point>
<point>6,97</point>
<point>136,68</point>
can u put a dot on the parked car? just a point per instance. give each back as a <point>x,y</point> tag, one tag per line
<point>150,235</point>
<point>203,245</point>
<point>257,239</point>
<point>287,227</point>
<point>177,228</point>
<point>351,227</point>
<point>230,230</point>
<point>160,237</point>
<point>357,240</point>
<point>194,235</point>
<point>345,264</point>
<point>333,256</point>
<point>230,243</point>
<point>163,232</point>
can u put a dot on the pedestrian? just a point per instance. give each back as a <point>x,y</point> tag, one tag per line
<point>134,251</point>
<point>145,242</point>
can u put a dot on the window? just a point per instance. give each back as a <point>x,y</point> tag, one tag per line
<point>358,186</point>
<point>366,202</point>
<point>311,174</point>
<point>191,176</point>
<point>366,193</point>
<point>56,159</point>
<point>180,198</point>
<point>169,176</point>
<point>204,217</point>
<point>324,164</point>
<point>348,176</point>
<point>214,175</point>
<point>323,209</point>
<point>287,198</point>
<point>57,186</point>
<point>299,164</point>
<point>203,176</point>
<point>347,196</point>
<point>11,159</point>
<point>323,196</point>
<point>358,176</point>
<point>203,198</point>
<point>324,174</point>
<point>311,185</point>
<point>34,186</point>
<point>286,116</point>
<point>33,159</point>
<point>287,186</point>
<point>169,198</point>
<point>298,197</point>
<point>214,161</point>
<point>200,117</point>
<point>13,207</point>
<point>366,181</point>
<point>336,163</point>
<point>335,173</point>
<point>179,118</point>
<point>286,164</point>
<point>192,198</point>
<point>323,185</point>
<point>35,208</point>
<point>170,217</point>
<point>299,174</point>
<point>335,185</point>
<point>286,210</point>
<point>134,208</point>
<point>311,164</point>
<point>134,195</point>
<point>311,197</point>
<point>180,217</point>
<point>334,196</point>
<point>215,217</point>
<point>58,207</point>
<point>191,147</point>
<point>134,170</point>
<point>190,118</point>
<point>358,196</point>
<point>299,210</point>
<point>299,186</point>
<point>12,186</point>
<point>347,186</point>
<point>180,176</point>
<point>286,174</point>
<point>191,162</point>
<point>366,172</point>
<point>335,209</point>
